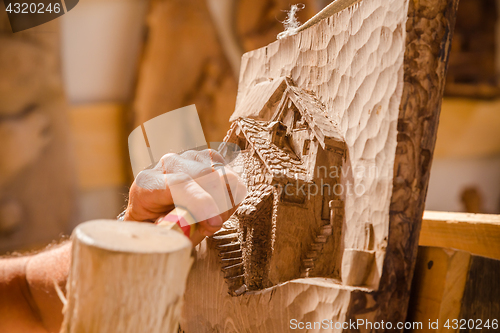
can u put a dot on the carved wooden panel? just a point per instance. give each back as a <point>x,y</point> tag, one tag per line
<point>378,89</point>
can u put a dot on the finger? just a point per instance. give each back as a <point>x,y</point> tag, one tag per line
<point>184,163</point>
<point>148,197</point>
<point>186,192</point>
<point>207,156</point>
<point>219,185</point>
<point>151,195</point>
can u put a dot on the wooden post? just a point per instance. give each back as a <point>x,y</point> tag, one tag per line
<point>126,277</point>
<point>457,291</point>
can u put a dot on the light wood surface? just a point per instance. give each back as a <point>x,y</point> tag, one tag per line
<point>468,128</point>
<point>301,56</point>
<point>208,306</point>
<point>126,277</point>
<point>474,233</point>
<point>454,288</point>
<point>100,145</point>
<point>339,63</point>
<point>437,292</point>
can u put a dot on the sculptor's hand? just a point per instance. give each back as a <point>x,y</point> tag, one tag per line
<point>189,180</point>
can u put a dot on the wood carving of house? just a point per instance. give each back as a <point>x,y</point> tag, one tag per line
<point>290,223</point>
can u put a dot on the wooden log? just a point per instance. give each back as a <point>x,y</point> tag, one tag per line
<point>126,277</point>
<point>184,63</point>
<point>456,290</point>
<point>429,32</point>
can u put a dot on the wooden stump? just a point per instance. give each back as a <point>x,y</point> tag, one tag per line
<point>126,277</point>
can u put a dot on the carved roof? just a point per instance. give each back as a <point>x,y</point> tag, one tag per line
<point>323,126</point>
<point>254,200</point>
<point>280,162</point>
<point>267,100</point>
<point>259,101</point>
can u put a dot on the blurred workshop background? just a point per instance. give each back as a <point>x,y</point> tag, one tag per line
<point>73,89</point>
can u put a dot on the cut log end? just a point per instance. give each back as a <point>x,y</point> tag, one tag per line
<point>126,277</point>
<point>132,237</point>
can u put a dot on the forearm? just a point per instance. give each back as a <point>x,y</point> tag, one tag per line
<point>28,297</point>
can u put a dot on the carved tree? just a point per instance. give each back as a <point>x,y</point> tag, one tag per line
<point>380,78</point>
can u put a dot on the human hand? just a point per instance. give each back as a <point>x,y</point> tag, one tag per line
<point>187,180</point>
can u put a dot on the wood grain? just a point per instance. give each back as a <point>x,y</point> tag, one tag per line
<point>455,288</point>
<point>344,60</point>
<point>337,61</point>
<point>480,301</point>
<point>438,286</point>
<point>209,308</point>
<point>429,31</point>
<point>344,68</point>
<point>125,277</point>
<point>477,234</point>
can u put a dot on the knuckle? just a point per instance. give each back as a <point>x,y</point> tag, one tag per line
<point>189,154</point>
<point>211,155</point>
<point>169,163</point>
<point>169,157</point>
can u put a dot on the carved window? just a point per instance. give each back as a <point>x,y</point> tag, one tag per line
<point>300,122</point>
<point>305,149</point>
<point>278,137</point>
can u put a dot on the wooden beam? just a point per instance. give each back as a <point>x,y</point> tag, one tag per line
<point>477,234</point>
<point>454,289</point>
<point>126,277</point>
<point>438,287</point>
